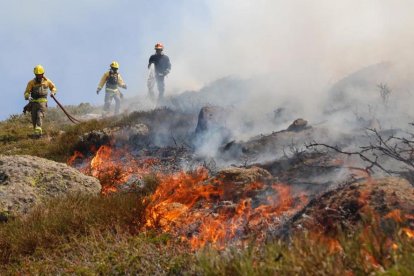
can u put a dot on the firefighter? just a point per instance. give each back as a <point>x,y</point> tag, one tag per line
<point>112,80</point>
<point>36,93</point>
<point>162,68</point>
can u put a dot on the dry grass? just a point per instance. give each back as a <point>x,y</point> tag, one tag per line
<point>370,250</point>
<point>60,220</point>
<point>100,235</point>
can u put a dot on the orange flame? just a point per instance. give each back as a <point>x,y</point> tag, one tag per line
<point>395,215</point>
<point>408,232</point>
<point>114,166</point>
<point>76,155</point>
<point>203,211</point>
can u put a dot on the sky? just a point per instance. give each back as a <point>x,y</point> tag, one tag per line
<point>308,44</point>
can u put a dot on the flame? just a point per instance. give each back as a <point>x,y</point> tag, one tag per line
<point>207,211</point>
<point>76,155</point>
<point>395,215</point>
<point>210,211</point>
<point>113,166</point>
<point>408,232</point>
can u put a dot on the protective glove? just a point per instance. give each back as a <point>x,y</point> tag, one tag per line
<point>97,90</point>
<point>124,86</point>
<point>26,96</point>
<point>167,72</point>
<point>52,93</point>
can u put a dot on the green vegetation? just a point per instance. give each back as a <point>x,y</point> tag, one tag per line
<point>60,133</point>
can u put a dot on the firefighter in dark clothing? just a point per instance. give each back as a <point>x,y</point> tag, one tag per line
<point>112,80</point>
<point>162,68</point>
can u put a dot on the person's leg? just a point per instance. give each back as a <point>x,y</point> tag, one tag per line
<point>161,87</point>
<point>117,98</point>
<point>34,114</point>
<point>107,104</point>
<point>41,111</point>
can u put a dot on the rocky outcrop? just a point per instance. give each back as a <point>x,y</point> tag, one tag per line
<point>209,118</point>
<point>247,175</point>
<point>298,125</point>
<point>28,180</point>
<point>344,207</point>
<point>91,141</point>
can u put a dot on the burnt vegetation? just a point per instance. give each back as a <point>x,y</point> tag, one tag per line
<point>383,146</point>
<point>289,213</point>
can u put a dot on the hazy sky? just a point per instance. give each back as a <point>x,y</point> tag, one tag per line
<point>309,43</point>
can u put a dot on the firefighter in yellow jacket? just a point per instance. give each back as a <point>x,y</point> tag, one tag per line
<point>112,80</point>
<point>36,92</point>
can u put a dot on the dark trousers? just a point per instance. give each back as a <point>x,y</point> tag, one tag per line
<point>160,85</point>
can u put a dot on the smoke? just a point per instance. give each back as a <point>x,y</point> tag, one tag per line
<point>288,56</point>
<point>302,47</point>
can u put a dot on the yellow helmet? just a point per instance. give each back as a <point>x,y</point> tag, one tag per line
<point>38,70</point>
<point>115,64</point>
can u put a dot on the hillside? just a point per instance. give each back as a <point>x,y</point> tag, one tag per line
<point>181,194</point>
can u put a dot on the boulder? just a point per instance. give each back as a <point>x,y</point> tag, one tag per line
<point>210,118</point>
<point>298,125</point>
<point>249,175</point>
<point>91,141</point>
<point>344,207</point>
<point>27,180</point>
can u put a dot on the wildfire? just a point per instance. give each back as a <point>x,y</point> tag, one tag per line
<point>113,166</point>
<point>395,215</point>
<point>204,210</point>
<point>207,211</point>
<point>409,232</point>
<point>76,155</point>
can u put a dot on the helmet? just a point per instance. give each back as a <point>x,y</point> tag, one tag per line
<point>38,70</point>
<point>114,64</point>
<point>159,46</point>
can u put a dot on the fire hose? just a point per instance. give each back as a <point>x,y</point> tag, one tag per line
<point>70,117</point>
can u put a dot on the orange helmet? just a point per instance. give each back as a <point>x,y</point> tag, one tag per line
<point>159,46</point>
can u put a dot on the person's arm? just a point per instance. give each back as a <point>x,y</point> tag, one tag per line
<point>121,82</point>
<point>28,89</point>
<point>52,87</point>
<point>151,61</point>
<point>168,69</point>
<point>102,82</point>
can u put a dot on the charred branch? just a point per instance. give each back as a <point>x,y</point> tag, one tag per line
<point>400,149</point>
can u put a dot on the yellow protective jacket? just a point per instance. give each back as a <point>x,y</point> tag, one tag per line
<point>39,90</point>
<point>107,79</point>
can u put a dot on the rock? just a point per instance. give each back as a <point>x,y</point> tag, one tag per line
<point>298,125</point>
<point>344,207</point>
<point>31,180</point>
<point>91,141</point>
<point>211,130</point>
<point>209,118</point>
<point>3,178</point>
<point>249,175</point>
<point>139,129</point>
